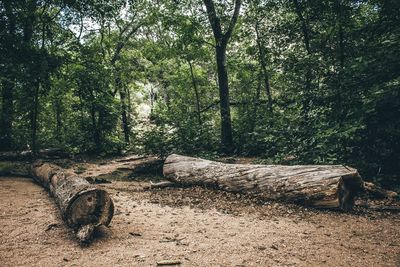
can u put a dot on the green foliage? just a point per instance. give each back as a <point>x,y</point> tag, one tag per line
<point>333,68</point>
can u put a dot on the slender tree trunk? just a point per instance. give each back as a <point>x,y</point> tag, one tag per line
<point>34,117</point>
<point>128,92</point>
<point>306,39</point>
<point>7,115</point>
<point>58,118</point>
<point>263,64</point>
<point>125,122</point>
<point>339,10</point>
<point>124,107</point>
<point>196,92</point>
<point>338,110</point>
<point>226,124</point>
<point>166,96</point>
<point>8,84</point>
<point>95,127</point>
<point>152,95</point>
<point>256,103</point>
<point>32,84</point>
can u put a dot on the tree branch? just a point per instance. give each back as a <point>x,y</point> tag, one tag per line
<point>214,19</point>
<point>304,28</point>
<point>233,21</point>
<point>121,43</point>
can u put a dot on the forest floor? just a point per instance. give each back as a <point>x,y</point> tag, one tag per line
<point>195,226</point>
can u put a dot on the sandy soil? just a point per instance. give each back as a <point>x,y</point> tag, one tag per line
<point>197,226</point>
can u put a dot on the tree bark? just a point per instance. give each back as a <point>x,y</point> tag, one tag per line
<point>225,110</point>
<point>83,206</point>
<point>324,186</point>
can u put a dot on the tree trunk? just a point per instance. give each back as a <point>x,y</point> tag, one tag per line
<point>83,206</point>
<point>124,108</point>
<point>263,64</point>
<point>221,40</point>
<point>338,110</point>
<point>226,125</point>
<point>196,92</point>
<point>324,186</point>
<point>256,102</point>
<point>308,74</point>
<point>8,83</point>
<point>95,128</point>
<point>7,113</point>
<point>124,114</point>
<point>58,110</point>
<point>34,117</point>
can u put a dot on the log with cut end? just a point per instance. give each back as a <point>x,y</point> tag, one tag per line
<point>83,206</point>
<point>326,186</point>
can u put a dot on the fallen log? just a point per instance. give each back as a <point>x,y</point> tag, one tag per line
<point>48,153</point>
<point>14,168</point>
<point>324,186</point>
<point>374,191</point>
<point>83,206</point>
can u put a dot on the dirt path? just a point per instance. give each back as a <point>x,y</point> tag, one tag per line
<point>196,226</point>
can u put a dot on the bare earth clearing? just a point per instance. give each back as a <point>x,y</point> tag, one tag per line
<point>196,226</point>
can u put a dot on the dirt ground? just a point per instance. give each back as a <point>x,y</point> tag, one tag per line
<point>196,226</point>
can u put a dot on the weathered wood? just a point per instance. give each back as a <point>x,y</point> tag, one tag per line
<point>82,205</point>
<point>327,186</point>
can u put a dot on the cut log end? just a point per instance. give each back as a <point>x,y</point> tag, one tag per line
<point>349,186</point>
<point>83,206</point>
<point>92,206</point>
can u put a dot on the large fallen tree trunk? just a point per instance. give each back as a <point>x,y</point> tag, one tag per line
<point>326,186</point>
<point>83,206</point>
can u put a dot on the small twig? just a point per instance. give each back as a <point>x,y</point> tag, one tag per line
<point>160,185</point>
<point>168,262</point>
<point>166,240</point>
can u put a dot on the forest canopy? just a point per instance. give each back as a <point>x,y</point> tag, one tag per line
<point>286,81</point>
